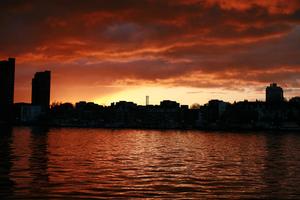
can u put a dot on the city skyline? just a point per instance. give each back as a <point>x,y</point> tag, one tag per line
<point>41,91</point>
<point>187,51</point>
<point>141,100</point>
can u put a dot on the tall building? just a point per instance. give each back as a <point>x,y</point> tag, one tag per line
<point>7,82</point>
<point>274,94</point>
<point>147,100</point>
<point>41,83</point>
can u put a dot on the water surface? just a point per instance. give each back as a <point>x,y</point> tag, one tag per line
<point>67,163</point>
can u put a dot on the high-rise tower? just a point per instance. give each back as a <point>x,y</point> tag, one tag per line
<point>147,100</point>
<point>7,82</point>
<point>41,84</point>
<point>274,94</point>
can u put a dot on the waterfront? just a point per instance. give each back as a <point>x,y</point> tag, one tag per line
<point>70,163</point>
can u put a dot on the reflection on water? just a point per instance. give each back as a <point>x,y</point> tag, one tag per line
<point>39,163</point>
<point>6,157</point>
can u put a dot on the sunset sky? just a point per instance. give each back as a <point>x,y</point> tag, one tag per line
<point>184,50</point>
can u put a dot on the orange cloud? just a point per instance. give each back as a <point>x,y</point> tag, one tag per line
<point>116,44</point>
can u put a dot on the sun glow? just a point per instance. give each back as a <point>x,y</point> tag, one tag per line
<point>183,95</point>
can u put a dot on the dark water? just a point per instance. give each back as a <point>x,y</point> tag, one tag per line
<point>96,163</point>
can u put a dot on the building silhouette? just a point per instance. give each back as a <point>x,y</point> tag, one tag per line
<point>41,89</point>
<point>147,100</point>
<point>7,81</point>
<point>274,94</point>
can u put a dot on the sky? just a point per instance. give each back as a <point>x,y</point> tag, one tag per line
<point>189,51</point>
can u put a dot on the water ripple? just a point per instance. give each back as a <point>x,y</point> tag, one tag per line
<point>108,164</point>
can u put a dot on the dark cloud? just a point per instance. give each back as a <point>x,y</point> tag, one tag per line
<point>172,42</point>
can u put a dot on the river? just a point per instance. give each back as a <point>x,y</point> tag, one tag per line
<point>74,163</point>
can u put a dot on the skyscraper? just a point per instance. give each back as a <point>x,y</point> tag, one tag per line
<point>41,89</point>
<point>274,94</point>
<point>7,82</point>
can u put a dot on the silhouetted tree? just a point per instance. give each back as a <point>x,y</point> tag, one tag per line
<point>195,106</point>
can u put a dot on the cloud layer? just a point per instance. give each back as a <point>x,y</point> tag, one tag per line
<point>99,44</point>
